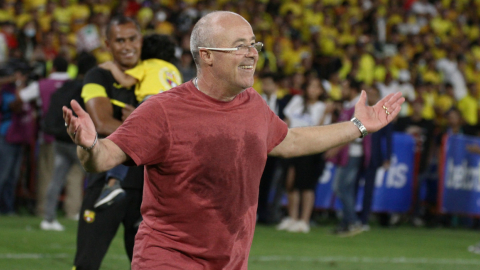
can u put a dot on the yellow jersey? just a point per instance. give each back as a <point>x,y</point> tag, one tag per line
<point>154,76</point>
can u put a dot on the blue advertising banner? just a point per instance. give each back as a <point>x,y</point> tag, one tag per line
<point>393,187</point>
<point>324,195</point>
<point>460,187</point>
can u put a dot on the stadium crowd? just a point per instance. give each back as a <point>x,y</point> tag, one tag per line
<point>316,55</point>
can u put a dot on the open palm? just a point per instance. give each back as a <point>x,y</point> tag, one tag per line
<point>81,128</point>
<point>375,117</point>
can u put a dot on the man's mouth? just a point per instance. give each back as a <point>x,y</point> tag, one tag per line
<point>129,54</point>
<point>246,67</point>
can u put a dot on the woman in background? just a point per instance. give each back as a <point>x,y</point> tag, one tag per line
<point>309,109</point>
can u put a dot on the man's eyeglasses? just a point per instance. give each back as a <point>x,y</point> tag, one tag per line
<point>241,49</point>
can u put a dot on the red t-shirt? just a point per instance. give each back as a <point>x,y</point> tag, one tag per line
<point>203,162</point>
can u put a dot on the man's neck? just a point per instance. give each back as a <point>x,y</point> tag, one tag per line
<point>215,90</point>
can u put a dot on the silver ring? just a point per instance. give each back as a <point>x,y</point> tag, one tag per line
<point>66,124</point>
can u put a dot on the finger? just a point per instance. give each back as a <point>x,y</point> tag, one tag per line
<point>400,101</point>
<point>77,108</point>
<point>72,129</point>
<point>67,116</point>
<point>384,101</point>
<point>393,114</point>
<point>391,101</point>
<point>65,111</point>
<point>397,103</point>
<point>363,98</point>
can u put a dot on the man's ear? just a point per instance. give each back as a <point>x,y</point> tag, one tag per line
<point>206,56</point>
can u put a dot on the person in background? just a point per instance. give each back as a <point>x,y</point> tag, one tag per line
<point>270,95</point>
<point>102,96</point>
<point>422,131</point>
<point>155,74</point>
<point>186,66</point>
<point>65,152</point>
<point>381,151</point>
<point>10,153</point>
<point>309,109</point>
<point>349,160</point>
<point>40,92</point>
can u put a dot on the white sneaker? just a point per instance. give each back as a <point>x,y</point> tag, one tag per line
<point>299,226</point>
<point>285,224</point>
<point>51,226</point>
<point>418,222</point>
<point>475,248</point>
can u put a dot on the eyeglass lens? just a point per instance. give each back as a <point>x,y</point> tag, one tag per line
<point>246,49</point>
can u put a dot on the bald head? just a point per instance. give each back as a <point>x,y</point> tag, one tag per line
<point>206,30</point>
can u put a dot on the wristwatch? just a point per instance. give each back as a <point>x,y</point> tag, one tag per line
<point>360,126</point>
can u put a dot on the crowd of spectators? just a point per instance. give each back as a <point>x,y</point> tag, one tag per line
<point>427,49</point>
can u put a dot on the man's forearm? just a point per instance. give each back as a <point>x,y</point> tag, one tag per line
<point>102,157</point>
<point>317,139</point>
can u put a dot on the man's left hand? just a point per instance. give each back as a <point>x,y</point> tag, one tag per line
<point>377,116</point>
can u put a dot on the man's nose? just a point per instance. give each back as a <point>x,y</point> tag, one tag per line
<point>251,51</point>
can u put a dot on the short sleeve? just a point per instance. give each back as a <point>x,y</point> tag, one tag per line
<point>138,72</point>
<point>94,85</point>
<point>277,129</point>
<point>145,134</point>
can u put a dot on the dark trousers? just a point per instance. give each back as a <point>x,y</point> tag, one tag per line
<point>96,229</point>
<point>370,174</point>
<point>263,210</point>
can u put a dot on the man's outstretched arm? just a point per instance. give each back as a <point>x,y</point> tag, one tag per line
<point>312,140</point>
<point>104,155</point>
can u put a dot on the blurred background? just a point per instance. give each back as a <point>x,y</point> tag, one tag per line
<point>418,181</point>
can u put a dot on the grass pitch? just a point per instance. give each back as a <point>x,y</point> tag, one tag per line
<point>24,246</point>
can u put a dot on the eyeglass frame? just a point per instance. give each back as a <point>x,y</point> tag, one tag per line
<point>235,49</point>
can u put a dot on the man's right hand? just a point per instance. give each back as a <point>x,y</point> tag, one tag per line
<point>80,129</point>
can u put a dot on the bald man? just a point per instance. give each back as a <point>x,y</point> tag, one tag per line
<point>204,145</point>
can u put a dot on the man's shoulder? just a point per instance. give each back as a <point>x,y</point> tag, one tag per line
<point>252,93</point>
<point>97,71</point>
<point>103,78</point>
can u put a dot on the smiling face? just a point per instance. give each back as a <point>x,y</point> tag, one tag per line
<point>125,43</point>
<point>232,71</point>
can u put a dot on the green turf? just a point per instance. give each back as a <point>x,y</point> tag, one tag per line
<point>24,246</point>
